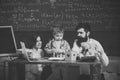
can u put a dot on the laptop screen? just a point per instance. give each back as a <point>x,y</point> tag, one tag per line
<point>7,40</point>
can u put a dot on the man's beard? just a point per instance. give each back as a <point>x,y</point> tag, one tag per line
<point>80,40</point>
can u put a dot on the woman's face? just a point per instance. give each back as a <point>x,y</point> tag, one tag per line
<point>39,44</point>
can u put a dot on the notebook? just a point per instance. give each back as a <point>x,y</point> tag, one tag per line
<point>7,41</point>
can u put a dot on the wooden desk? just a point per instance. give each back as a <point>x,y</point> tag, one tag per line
<point>17,68</point>
<point>8,55</point>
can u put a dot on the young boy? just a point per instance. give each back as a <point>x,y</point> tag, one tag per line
<point>57,47</point>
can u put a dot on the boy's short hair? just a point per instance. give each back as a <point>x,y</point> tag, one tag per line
<point>86,26</point>
<point>57,30</point>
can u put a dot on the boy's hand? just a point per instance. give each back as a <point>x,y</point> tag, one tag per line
<point>60,51</point>
<point>54,50</point>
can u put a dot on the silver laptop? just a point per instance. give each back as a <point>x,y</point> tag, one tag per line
<point>7,41</point>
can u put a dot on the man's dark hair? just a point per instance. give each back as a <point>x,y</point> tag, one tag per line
<point>86,26</point>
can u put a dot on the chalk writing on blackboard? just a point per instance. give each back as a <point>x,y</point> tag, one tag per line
<point>43,14</point>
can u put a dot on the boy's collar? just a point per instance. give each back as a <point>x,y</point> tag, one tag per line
<point>56,40</point>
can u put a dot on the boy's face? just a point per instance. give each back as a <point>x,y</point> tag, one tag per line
<point>58,36</point>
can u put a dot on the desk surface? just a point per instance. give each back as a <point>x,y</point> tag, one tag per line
<point>19,65</point>
<point>8,55</point>
<point>46,61</point>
